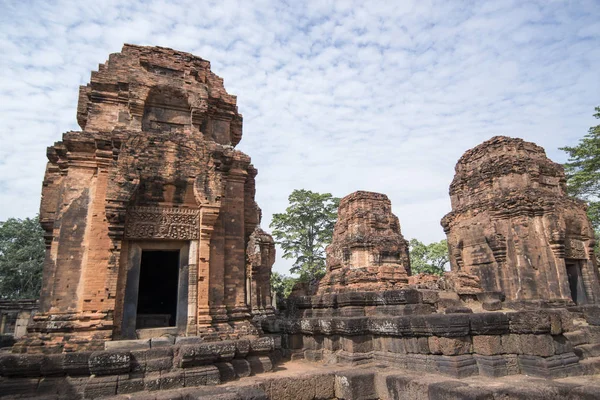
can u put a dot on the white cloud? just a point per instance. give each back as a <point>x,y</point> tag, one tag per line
<point>336,95</point>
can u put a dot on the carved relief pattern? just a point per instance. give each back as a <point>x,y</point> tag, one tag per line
<point>162,223</point>
<point>498,245</point>
<point>575,249</point>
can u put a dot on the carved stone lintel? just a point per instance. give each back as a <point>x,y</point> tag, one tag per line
<point>575,249</point>
<point>162,223</point>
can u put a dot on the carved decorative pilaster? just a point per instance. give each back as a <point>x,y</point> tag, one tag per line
<point>208,218</point>
<point>199,114</point>
<point>557,244</point>
<point>136,107</point>
<point>236,130</point>
<point>457,253</point>
<point>115,215</point>
<point>104,157</point>
<point>498,245</point>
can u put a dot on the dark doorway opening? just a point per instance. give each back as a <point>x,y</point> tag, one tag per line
<point>157,291</point>
<point>575,281</point>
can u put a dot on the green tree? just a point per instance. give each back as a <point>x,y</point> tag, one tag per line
<point>583,171</point>
<point>282,284</point>
<point>304,230</point>
<point>22,253</point>
<point>428,258</point>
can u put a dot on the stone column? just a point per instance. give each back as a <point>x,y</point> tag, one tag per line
<point>99,286</point>
<point>216,263</point>
<point>235,255</point>
<point>200,274</point>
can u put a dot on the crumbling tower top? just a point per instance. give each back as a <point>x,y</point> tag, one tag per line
<point>159,90</point>
<point>501,167</point>
<point>513,225</point>
<point>367,251</point>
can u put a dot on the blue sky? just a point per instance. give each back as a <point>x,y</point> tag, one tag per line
<point>337,96</point>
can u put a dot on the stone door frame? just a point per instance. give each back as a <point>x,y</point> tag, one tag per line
<point>574,269</point>
<point>134,263</point>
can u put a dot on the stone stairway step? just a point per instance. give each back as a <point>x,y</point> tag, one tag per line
<point>592,333</point>
<point>590,366</point>
<point>576,338</point>
<point>588,350</point>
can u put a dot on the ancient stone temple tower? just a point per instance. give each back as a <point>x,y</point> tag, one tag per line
<point>367,252</point>
<point>149,211</point>
<point>513,225</point>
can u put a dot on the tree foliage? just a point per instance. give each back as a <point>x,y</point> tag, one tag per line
<point>428,258</point>
<point>282,284</point>
<point>583,171</point>
<point>22,253</point>
<point>304,230</point>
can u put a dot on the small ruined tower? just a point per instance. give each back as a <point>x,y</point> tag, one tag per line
<point>368,251</point>
<point>514,226</point>
<point>149,210</point>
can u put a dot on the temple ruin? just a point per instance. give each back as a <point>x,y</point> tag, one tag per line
<point>151,197</point>
<point>367,311</point>
<point>513,225</point>
<point>367,252</point>
<point>157,273</point>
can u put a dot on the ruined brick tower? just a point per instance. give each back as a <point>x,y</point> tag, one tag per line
<point>514,226</point>
<point>368,251</point>
<point>149,211</point>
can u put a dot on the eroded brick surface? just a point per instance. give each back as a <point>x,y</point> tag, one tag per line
<point>154,161</point>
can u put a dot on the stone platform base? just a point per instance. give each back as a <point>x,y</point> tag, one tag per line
<point>546,343</point>
<point>307,381</point>
<point>126,367</point>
